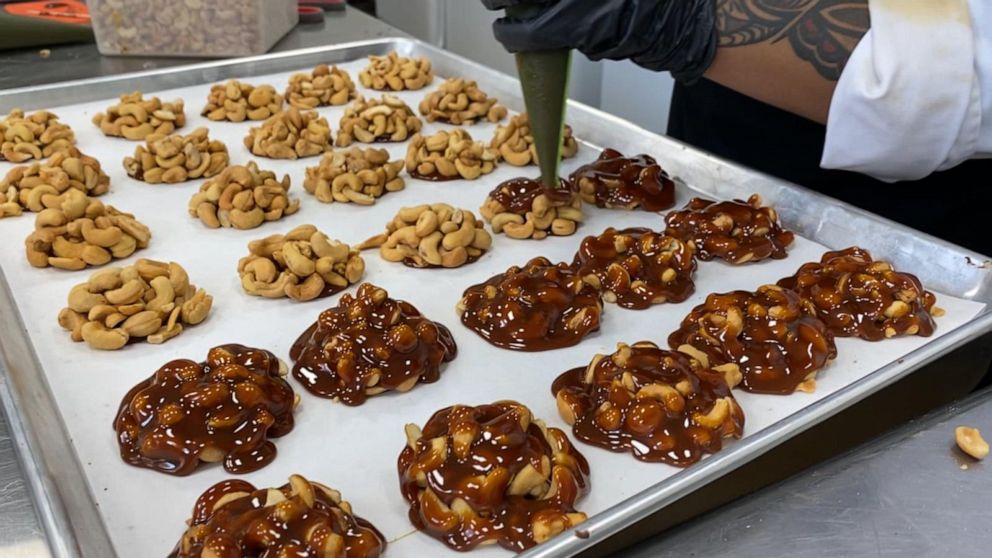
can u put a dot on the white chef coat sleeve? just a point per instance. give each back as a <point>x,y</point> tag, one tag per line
<point>916,94</point>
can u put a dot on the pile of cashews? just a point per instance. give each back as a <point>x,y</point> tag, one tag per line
<point>356,176</point>
<point>434,235</point>
<point>243,197</point>
<point>149,300</point>
<point>324,86</point>
<point>176,158</point>
<point>290,134</point>
<point>515,143</point>
<point>30,186</point>
<point>449,155</point>
<point>36,136</point>
<point>395,72</point>
<point>236,101</point>
<point>544,217</point>
<point>376,120</point>
<point>136,118</point>
<point>459,101</point>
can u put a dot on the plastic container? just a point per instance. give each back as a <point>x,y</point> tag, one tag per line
<point>197,28</point>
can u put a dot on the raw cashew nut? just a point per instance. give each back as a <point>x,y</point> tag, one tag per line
<point>458,101</point>
<point>177,158</point>
<point>136,118</point>
<point>449,155</point>
<point>515,143</point>
<point>34,136</point>
<point>357,176</point>
<point>436,235</point>
<point>396,73</point>
<point>236,101</point>
<point>242,197</point>
<point>290,134</point>
<point>324,86</point>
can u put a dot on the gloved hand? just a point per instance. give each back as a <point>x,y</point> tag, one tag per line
<point>677,36</point>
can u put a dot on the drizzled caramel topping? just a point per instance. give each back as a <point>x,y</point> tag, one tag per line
<point>615,181</point>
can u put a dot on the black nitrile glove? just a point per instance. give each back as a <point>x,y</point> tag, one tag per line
<point>677,36</point>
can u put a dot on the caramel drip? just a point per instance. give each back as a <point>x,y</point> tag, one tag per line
<point>616,181</point>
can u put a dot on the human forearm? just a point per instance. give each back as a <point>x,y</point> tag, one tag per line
<point>787,53</point>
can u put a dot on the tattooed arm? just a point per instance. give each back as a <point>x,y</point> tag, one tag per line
<point>787,53</point>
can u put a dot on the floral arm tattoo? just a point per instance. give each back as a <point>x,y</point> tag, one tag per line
<point>821,32</point>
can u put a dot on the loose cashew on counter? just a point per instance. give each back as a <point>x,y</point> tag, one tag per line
<point>75,231</point>
<point>177,158</point>
<point>36,136</point>
<point>290,134</point>
<point>459,101</point>
<point>302,264</point>
<point>396,73</point>
<point>136,118</point>
<point>507,211</point>
<point>449,155</point>
<point>377,120</point>
<point>27,187</point>
<point>516,144</point>
<point>242,197</point>
<point>237,101</point>
<point>356,175</point>
<point>148,300</point>
<point>323,86</point>
<point>435,235</point>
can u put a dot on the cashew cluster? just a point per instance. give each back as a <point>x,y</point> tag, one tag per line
<point>302,264</point>
<point>27,187</point>
<point>190,27</point>
<point>237,101</point>
<point>449,155</point>
<point>177,158</point>
<point>149,300</point>
<point>74,231</point>
<point>36,136</point>
<point>322,87</point>
<point>376,120</point>
<point>460,101</point>
<point>522,209</point>
<point>516,144</point>
<point>290,134</point>
<point>435,235</point>
<point>356,175</point>
<point>136,118</point>
<point>242,197</point>
<point>395,72</point>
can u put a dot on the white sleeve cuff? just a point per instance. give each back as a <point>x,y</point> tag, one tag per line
<point>910,100</point>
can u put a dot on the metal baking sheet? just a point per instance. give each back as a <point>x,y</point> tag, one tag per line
<point>62,396</point>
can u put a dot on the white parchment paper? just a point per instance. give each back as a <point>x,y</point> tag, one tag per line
<point>354,449</point>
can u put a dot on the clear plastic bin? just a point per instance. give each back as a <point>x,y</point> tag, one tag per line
<point>200,28</point>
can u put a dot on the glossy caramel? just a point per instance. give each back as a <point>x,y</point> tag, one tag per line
<point>859,297</point>
<point>651,402</point>
<point>225,408</point>
<point>538,307</point>
<point>369,344</point>
<point>766,334</point>
<point>619,182</point>
<point>491,474</point>
<point>637,267</point>
<point>517,195</point>
<point>735,231</point>
<point>233,519</point>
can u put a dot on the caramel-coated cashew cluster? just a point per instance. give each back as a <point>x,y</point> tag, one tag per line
<point>435,235</point>
<point>300,518</point>
<point>177,158</point>
<point>735,231</point>
<point>516,144</point>
<point>75,231</point>
<point>657,404</point>
<point>763,336</point>
<point>324,86</point>
<point>29,187</point>
<point>370,344</point>
<point>377,120</point>
<point>190,27</point>
<point>136,118</point>
<point>236,101</point>
<point>148,300</point>
<point>356,176</point>
<point>523,208</point>
<point>396,73</point>
<point>449,155</point>
<point>857,296</point>
<point>491,474</point>
<point>36,136</point>
<point>636,268</point>
<point>243,197</point>
<point>459,101</point>
<point>224,409</point>
<point>302,264</point>
<point>290,134</point>
<point>617,182</point>
<point>538,307</point>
